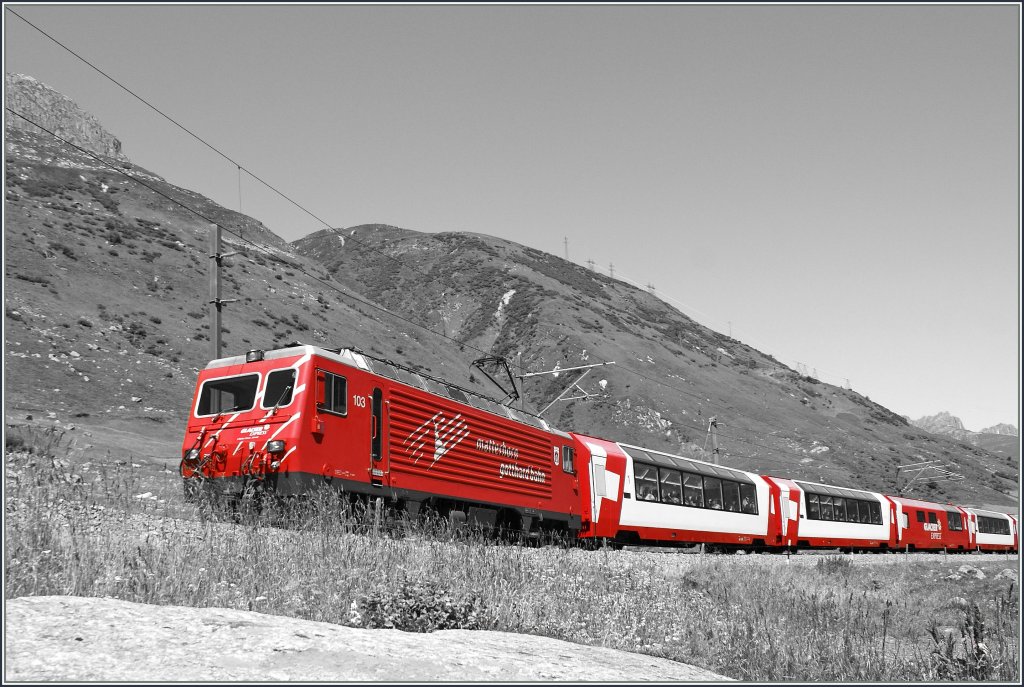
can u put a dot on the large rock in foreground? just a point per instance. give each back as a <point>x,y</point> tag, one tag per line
<point>71,639</point>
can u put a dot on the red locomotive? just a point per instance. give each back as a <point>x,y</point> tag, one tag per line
<point>288,421</point>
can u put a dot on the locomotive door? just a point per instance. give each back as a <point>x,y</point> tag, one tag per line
<point>378,457</point>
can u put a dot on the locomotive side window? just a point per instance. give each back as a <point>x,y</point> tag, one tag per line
<point>646,482</point>
<point>332,393</point>
<point>693,490</point>
<point>229,395</point>
<point>671,486</point>
<point>920,516</point>
<point>906,520</point>
<point>280,385</point>
<point>932,517</point>
<point>569,460</point>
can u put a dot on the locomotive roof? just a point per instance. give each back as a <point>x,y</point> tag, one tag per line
<point>404,375</point>
<point>669,460</point>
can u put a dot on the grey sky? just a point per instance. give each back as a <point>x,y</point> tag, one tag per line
<point>841,183</point>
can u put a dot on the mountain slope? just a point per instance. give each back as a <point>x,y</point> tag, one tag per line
<point>106,285</point>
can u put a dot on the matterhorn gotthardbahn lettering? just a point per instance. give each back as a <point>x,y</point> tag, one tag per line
<point>408,446</point>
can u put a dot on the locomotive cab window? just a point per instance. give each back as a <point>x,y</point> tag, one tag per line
<point>229,395</point>
<point>280,386</point>
<point>331,393</point>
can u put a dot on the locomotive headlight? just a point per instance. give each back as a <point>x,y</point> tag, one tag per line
<point>276,446</point>
<point>254,356</point>
<point>192,454</point>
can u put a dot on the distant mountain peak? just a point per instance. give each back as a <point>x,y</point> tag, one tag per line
<point>940,423</point>
<point>59,114</point>
<point>1002,428</point>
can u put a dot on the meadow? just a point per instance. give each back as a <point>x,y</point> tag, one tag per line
<point>105,530</point>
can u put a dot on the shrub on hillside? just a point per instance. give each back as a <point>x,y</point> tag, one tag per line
<point>415,607</point>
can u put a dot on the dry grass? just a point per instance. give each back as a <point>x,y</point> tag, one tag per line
<point>752,617</point>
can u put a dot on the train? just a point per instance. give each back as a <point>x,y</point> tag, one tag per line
<point>293,420</point>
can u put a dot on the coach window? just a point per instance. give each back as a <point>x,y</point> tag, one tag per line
<point>646,482</point>
<point>839,508</point>
<point>671,486</point>
<point>813,512</point>
<point>864,510</point>
<point>693,490</point>
<point>569,459</point>
<point>876,512</point>
<point>713,493</point>
<point>731,495</point>
<point>748,499</point>
<point>332,395</point>
<point>825,503</point>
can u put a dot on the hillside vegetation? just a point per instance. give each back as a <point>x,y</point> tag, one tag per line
<point>103,530</point>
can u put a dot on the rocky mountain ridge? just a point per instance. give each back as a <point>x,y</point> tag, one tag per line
<point>59,114</point>
<point>1002,428</point>
<point>106,326</point>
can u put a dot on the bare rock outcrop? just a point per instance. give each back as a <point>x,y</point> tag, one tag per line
<point>58,113</point>
<point>72,639</point>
